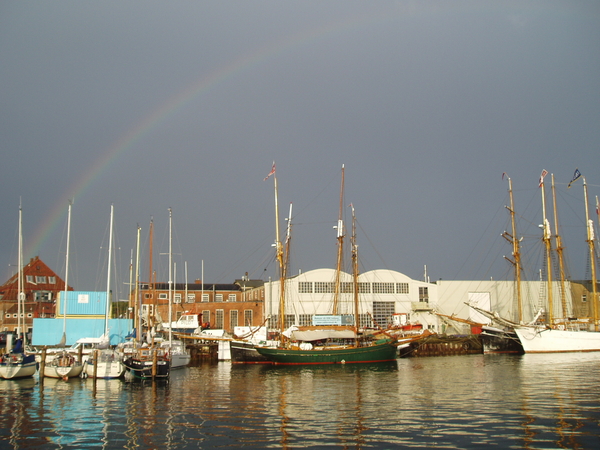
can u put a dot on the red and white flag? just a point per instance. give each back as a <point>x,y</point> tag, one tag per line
<point>272,172</point>
<point>544,173</point>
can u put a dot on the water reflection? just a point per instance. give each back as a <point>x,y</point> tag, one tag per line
<point>528,401</point>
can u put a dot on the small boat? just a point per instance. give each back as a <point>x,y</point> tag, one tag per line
<point>63,366</point>
<point>105,363</point>
<point>500,340</point>
<point>17,363</point>
<point>178,354</point>
<point>148,363</point>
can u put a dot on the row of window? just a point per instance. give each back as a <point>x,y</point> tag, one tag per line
<point>219,318</point>
<point>16,315</point>
<point>328,287</point>
<point>40,279</point>
<point>191,298</point>
<point>381,317</point>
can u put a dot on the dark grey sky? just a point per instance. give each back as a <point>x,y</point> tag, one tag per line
<point>185,104</point>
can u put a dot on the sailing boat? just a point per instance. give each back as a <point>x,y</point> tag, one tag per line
<point>178,354</point>
<point>505,340</point>
<point>144,362</point>
<point>64,365</point>
<point>551,337</point>
<point>343,345</point>
<point>244,350</point>
<point>17,363</point>
<point>106,362</point>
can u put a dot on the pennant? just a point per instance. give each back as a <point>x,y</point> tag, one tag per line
<point>576,175</point>
<point>544,173</point>
<point>272,172</point>
<point>504,175</point>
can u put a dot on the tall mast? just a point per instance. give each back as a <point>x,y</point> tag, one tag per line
<point>590,241</point>
<point>170,276</point>
<point>547,236</point>
<point>110,234</point>
<point>64,336</point>
<point>340,253</point>
<point>516,253</point>
<point>21,294</point>
<point>355,273</point>
<point>150,274</point>
<point>288,236</point>
<point>138,306</point>
<point>559,252</point>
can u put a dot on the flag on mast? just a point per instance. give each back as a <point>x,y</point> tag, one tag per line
<point>576,175</point>
<point>272,172</point>
<point>544,173</point>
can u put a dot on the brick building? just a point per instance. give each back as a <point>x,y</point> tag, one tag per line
<point>41,286</point>
<point>223,306</point>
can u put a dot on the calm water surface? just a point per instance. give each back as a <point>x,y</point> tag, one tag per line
<point>467,402</point>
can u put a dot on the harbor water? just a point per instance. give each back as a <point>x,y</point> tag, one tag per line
<point>463,402</point>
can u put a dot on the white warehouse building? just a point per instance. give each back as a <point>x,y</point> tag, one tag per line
<point>386,297</point>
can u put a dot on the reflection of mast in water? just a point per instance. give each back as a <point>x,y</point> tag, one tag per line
<point>282,407</point>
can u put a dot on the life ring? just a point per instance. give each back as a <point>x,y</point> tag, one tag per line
<point>466,346</point>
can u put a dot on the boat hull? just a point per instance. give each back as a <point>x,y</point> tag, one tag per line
<point>246,353</point>
<point>538,340</point>
<point>13,367</point>
<point>349,355</point>
<point>144,368</point>
<point>495,340</point>
<point>179,360</point>
<point>63,372</point>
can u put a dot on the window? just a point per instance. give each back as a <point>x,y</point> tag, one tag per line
<point>177,298</point>
<point>30,279</point>
<point>583,298</point>
<point>305,320</point>
<point>248,317</point>
<point>364,321</point>
<point>290,320</point>
<point>206,316</point>
<point>423,294</point>
<point>305,287</point>
<point>231,298</point>
<point>401,288</point>
<point>219,298</point>
<point>273,321</point>
<point>219,313</point>
<point>163,296</point>
<point>205,298</point>
<point>347,287</point>
<point>383,288</point>
<point>323,287</point>
<point>40,279</point>
<point>52,280</point>
<point>147,295</point>
<point>382,313</point>
<point>364,288</point>
<point>191,298</point>
<point>233,318</point>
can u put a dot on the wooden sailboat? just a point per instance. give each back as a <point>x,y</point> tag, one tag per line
<point>106,362</point>
<point>142,361</point>
<point>504,339</point>
<point>331,344</point>
<point>64,365</point>
<point>177,353</point>
<point>16,362</point>
<point>554,336</point>
<point>244,350</point>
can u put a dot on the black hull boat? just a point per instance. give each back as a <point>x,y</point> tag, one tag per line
<point>496,340</point>
<point>147,364</point>
<point>245,353</point>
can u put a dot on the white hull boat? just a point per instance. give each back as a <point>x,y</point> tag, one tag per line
<point>544,340</point>
<point>108,364</point>
<point>18,365</point>
<point>63,366</point>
